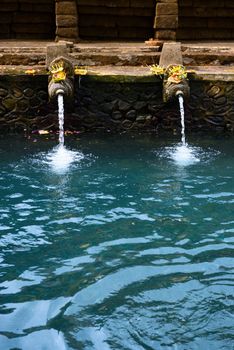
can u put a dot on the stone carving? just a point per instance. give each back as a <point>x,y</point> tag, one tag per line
<point>61,79</point>
<point>175,83</point>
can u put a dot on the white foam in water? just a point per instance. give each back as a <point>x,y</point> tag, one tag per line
<point>61,159</point>
<point>183,155</point>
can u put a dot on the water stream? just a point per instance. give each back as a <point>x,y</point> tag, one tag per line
<point>183,154</point>
<point>181,103</point>
<point>61,118</point>
<point>60,158</point>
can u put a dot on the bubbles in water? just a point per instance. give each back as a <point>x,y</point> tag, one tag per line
<point>60,159</point>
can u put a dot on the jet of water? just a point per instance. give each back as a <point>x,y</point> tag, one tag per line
<point>61,118</point>
<point>181,103</point>
<point>182,154</point>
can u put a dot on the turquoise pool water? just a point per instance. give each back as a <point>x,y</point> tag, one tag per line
<point>116,242</point>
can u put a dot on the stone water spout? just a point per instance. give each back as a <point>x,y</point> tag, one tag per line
<point>61,79</point>
<point>175,83</point>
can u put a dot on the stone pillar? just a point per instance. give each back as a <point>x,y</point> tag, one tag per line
<point>66,20</point>
<point>166,19</point>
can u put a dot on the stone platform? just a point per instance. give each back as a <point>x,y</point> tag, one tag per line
<point>14,52</point>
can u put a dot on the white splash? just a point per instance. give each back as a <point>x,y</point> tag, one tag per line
<point>61,118</point>
<point>184,155</point>
<point>61,159</point>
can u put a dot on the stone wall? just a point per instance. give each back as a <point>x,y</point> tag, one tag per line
<point>166,19</point>
<point>27,19</point>
<point>114,106</point>
<point>206,19</point>
<point>116,19</point>
<point>66,20</point>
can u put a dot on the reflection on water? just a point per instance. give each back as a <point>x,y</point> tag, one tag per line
<point>126,249</point>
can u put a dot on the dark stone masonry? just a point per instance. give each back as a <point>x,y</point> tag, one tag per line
<point>114,106</point>
<point>116,19</point>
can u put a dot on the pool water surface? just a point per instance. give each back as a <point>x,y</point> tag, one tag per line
<point>116,242</point>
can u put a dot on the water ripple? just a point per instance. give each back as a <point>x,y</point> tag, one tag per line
<point>117,246</point>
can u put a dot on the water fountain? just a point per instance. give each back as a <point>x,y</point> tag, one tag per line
<point>181,104</point>
<point>61,89</point>
<point>182,154</point>
<point>176,88</point>
<point>61,79</point>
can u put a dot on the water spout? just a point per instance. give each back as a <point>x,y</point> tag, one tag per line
<point>61,79</point>
<point>175,83</point>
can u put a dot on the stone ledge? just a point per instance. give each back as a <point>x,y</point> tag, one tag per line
<point>128,74</point>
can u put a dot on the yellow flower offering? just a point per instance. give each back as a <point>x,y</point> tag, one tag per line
<point>58,72</point>
<point>157,70</point>
<point>176,74</point>
<point>80,71</point>
<point>30,71</point>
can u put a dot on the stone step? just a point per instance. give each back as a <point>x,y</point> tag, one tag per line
<point>119,59</point>
<point>202,59</point>
<point>114,49</point>
<point>22,50</point>
<point>22,58</point>
<point>119,54</point>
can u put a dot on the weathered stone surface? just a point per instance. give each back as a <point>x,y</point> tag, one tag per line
<point>166,22</point>
<point>24,105</point>
<point>55,50</point>
<point>171,55</point>
<point>66,8</point>
<point>163,9</point>
<point>66,21</point>
<point>69,33</point>
<point>117,115</point>
<point>206,19</point>
<point>165,34</point>
<point>124,106</point>
<point>131,115</point>
<point>9,103</point>
<point>171,1</point>
<point>27,19</point>
<point>117,19</point>
<point>28,92</point>
<point>3,92</point>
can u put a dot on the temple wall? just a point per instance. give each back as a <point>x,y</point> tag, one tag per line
<point>27,19</point>
<point>209,19</point>
<point>116,19</point>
